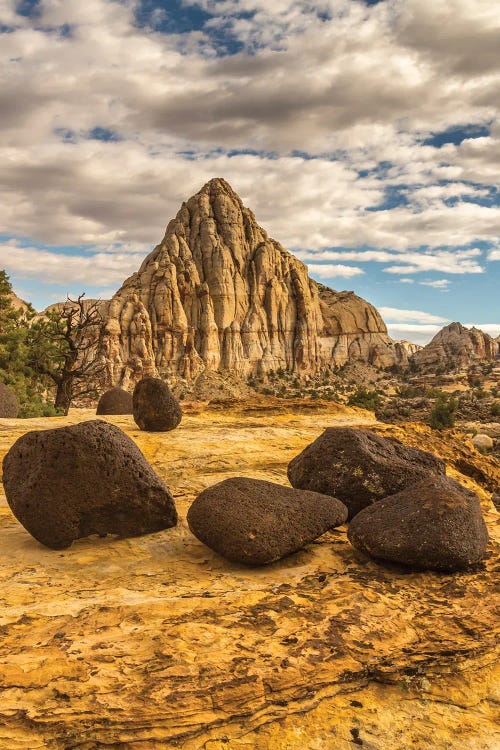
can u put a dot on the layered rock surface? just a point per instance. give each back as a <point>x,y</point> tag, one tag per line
<point>156,643</point>
<point>457,345</point>
<point>219,294</point>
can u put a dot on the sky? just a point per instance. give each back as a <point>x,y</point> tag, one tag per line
<point>364,135</point>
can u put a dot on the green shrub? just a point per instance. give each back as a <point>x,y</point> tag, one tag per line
<point>444,412</point>
<point>365,399</point>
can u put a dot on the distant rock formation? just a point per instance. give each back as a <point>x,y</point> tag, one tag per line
<point>457,345</point>
<point>218,294</point>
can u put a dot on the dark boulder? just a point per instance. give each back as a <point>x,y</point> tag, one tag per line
<point>255,522</point>
<point>91,478</point>
<point>359,467</point>
<point>9,405</point>
<point>434,524</point>
<point>115,401</point>
<point>155,408</point>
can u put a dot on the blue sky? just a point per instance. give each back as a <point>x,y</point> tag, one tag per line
<point>364,135</point>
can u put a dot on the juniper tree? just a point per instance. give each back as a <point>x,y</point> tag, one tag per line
<point>63,347</point>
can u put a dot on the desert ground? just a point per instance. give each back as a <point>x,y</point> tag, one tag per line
<point>155,642</point>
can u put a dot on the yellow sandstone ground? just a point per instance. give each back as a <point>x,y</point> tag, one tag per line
<point>156,643</point>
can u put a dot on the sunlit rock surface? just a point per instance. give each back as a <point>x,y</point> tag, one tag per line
<point>219,295</point>
<point>156,642</point>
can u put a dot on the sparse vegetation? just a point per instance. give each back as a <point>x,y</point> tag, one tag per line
<point>444,412</point>
<point>365,399</point>
<point>15,370</point>
<point>61,348</point>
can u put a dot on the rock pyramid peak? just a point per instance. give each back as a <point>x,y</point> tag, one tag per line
<point>218,294</point>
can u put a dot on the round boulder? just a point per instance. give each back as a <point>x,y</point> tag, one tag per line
<point>255,522</point>
<point>9,405</point>
<point>90,478</point>
<point>155,408</point>
<point>359,467</point>
<point>115,401</point>
<point>434,524</point>
<point>482,442</point>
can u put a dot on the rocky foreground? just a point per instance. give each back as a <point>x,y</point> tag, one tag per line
<point>156,642</point>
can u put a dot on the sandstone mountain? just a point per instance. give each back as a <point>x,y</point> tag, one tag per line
<point>458,345</point>
<point>218,294</point>
<point>18,303</point>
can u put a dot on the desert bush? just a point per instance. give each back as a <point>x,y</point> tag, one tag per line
<point>15,371</point>
<point>444,412</point>
<point>365,399</point>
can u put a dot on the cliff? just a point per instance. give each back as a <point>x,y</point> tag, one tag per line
<point>457,345</point>
<point>218,294</point>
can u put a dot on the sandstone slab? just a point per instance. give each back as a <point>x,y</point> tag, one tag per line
<point>157,643</point>
<point>433,524</point>
<point>255,522</point>
<point>90,478</point>
<point>359,467</point>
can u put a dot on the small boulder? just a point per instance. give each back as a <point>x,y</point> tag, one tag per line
<point>255,522</point>
<point>9,405</point>
<point>434,524</point>
<point>359,467</point>
<point>90,478</point>
<point>155,408</point>
<point>483,442</point>
<point>115,401</point>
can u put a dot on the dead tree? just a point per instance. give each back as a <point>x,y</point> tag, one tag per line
<point>63,348</point>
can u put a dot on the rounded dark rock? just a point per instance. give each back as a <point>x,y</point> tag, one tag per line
<point>360,467</point>
<point>90,478</point>
<point>155,407</point>
<point>9,405</point>
<point>435,524</point>
<point>115,401</point>
<point>255,522</point>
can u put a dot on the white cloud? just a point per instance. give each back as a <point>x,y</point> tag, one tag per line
<point>446,261</point>
<point>99,269</point>
<point>494,255</point>
<point>396,315</point>
<point>492,328</point>
<point>415,332</point>
<point>367,86</point>
<point>333,271</point>
<point>441,284</point>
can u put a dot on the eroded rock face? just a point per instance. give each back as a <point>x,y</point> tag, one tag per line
<point>155,407</point>
<point>255,522</point>
<point>219,294</point>
<point>458,345</point>
<point>9,405</point>
<point>90,478</point>
<point>115,401</point>
<point>359,467</point>
<point>433,524</point>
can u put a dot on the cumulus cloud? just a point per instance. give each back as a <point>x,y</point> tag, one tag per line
<point>333,271</point>
<point>415,332</point>
<point>441,284</point>
<point>394,315</point>
<point>321,117</point>
<point>446,261</point>
<point>101,269</point>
